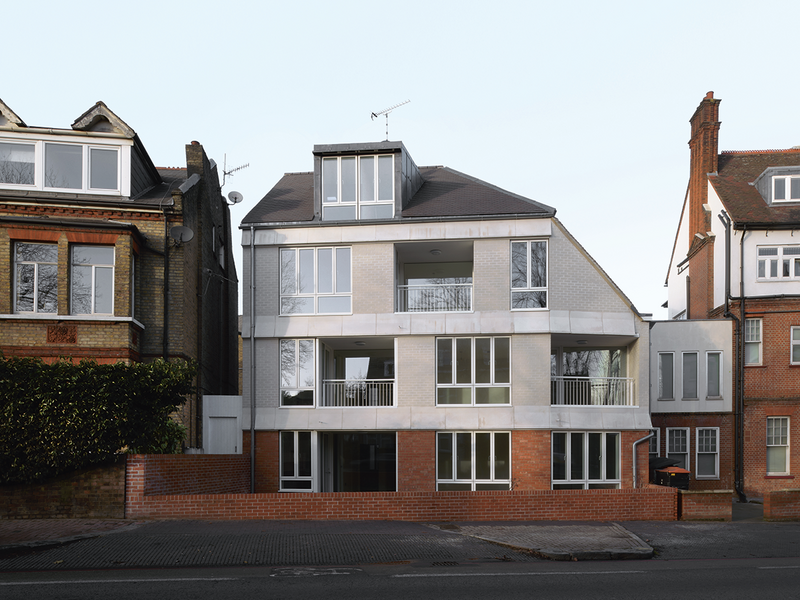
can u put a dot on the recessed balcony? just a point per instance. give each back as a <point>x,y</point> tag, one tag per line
<point>434,277</point>
<point>357,372</point>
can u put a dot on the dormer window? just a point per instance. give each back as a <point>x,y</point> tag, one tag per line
<point>786,188</point>
<point>358,187</point>
<point>56,166</point>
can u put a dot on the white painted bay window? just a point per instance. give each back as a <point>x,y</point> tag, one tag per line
<point>92,280</point>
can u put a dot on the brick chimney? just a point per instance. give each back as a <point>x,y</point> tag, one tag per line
<point>704,154</point>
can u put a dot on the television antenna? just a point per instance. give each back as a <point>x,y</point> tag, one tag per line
<point>386,112</point>
<point>226,172</point>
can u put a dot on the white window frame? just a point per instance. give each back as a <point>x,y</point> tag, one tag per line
<point>293,301</point>
<point>475,387</point>
<point>753,335</point>
<point>495,479</point>
<point>39,176</point>
<point>294,481</point>
<point>710,373</point>
<point>778,263</point>
<point>95,266</point>
<point>684,381</point>
<point>794,345</point>
<point>522,286</point>
<point>655,441</point>
<point>358,203</point>
<point>671,450</point>
<point>661,377</point>
<point>36,278</point>
<point>779,439</point>
<point>290,383</point>
<point>791,184</point>
<point>606,480</point>
<point>701,446</point>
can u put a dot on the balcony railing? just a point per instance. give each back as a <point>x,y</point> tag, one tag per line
<point>449,297</point>
<point>592,391</point>
<point>358,392</point>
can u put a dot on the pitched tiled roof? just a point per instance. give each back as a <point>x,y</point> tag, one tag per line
<point>444,193</point>
<point>737,170</point>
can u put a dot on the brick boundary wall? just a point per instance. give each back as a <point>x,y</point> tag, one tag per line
<point>650,503</point>
<point>782,505</point>
<point>181,474</point>
<point>706,505</point>
<point>93,493</point>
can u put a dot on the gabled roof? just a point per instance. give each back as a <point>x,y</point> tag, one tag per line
<point>733,183</point>
<point>100,118</point>
<point>444,193</point>
<point>10,115</point>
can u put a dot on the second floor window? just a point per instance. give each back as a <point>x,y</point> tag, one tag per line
<point>92,280</point>
<point>786,189</point>
<point>36,285</point>
<point>297,372</point>
<point>779,263</point>
<point>315,281</point>
<point>528,274</point>
<point>358,187</point>
<point>752,341</point>
<point>473,371</point>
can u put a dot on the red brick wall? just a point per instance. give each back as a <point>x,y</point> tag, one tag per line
<point>650,503</point>
<point>701,281</point>
<point>177,474</point>
<point>530,460</point>
<point>97,493</point>
<point>782,505</point>
<point>725,422</point>
<point>267,467</point>
<point>756,480</point>
<point>706,505</point>
<point>416,461</point>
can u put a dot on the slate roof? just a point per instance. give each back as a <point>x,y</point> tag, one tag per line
<point>445,193</point>
<point>736,171</point>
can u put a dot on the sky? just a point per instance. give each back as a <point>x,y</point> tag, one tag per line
<point>582,105</point>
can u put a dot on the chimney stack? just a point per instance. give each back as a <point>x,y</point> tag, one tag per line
<point>704,158</point>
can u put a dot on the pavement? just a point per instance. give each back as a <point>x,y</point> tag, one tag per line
<point>58,544</point>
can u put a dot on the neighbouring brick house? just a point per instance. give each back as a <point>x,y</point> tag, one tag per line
<point>416,329</point>
<point>737,257</point>
<point>94,267</point>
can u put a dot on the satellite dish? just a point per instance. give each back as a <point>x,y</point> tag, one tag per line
<point>235,197</point>
<point>181,234</point>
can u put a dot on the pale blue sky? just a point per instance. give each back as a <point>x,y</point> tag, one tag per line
<point>582,105</point>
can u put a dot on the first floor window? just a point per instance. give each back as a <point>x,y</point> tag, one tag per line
<point>529,274</point>
<point>777,445</point>
<point>473,371</point>
<point>92,275</point>
<point>473,460</point>
<point>678,446</point>
<point>752,341</point>
<point>665,375</point>
<point>713,374</point>
<point>707,466</point>
<point>795,345</point>
<point>296,461</point>
<point>36,286</point>
<point>297,372</point>
<point>585,460</point>
<point>315,281</point>
<point>689,374</point>
<point>655,443</point>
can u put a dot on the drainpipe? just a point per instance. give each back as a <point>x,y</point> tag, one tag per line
<point>165,329</point>
<point>740,377</point>
<point>636,443</point>
<point>252,363</point>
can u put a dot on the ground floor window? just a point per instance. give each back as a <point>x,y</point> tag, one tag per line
<point>678,445</point>
<point>707,464</point>
<point>297,452</point>
<point>473,460</point>
<point>585,460</point>
<point>655,443</point>
<point>777,445</point>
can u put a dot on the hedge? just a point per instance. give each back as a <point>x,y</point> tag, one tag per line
<point>60,417</point>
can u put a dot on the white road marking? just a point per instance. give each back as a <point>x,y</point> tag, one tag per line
<point>517,574</point>
<point>93,581</point>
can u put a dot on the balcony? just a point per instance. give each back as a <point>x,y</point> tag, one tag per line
<point>357,392</point>
<point>592,391</point>
<point>445,297</point>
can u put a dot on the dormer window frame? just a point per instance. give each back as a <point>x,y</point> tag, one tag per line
<point>358,182</point>
<point>786,188</point>
<point>94,153</point>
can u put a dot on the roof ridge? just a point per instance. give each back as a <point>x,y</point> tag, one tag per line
<point>775,151</point>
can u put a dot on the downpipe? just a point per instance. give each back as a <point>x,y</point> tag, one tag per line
<point>635,461</point>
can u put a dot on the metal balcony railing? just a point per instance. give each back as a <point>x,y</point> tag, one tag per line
<point>449,297</point>
<point>592,391</point>
<point>358,392</point>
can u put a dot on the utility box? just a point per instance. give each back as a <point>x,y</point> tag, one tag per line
<point>673,477</point>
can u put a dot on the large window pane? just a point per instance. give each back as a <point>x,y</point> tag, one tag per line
<point>288,271</point>
<point>595,456</point>
<point>502,456</point>
<point>483,360</point>
<point>519,265</point>
<point>559,456</point>
<point>483,455</point>
<point>103,168</point>
<point>304,454</point>
<point>325,270</point>
<point>576,456</point>
<point>26,287</point>
<point>63,166</point>
<point>444,456</point>
<point>690,375</point>
<point>348,179</point>
<point>17,163</point>
<point>305,362</point>
<point>665,376</point>
<point>612,456</point>
<point>444,361</point>
<point>502,360</point>
<point>104,290</point>
<point>464,456</point>
<point>492,395</point>
<point>367,179</point>
<point>713,368</point>
<point>538,264</point>
<point>305,276</point>
<point>343,283</point>
<point>330,180</point>
<point>385,179</point>
<point>288,363</point>
<point>463,360</point>
<point>454,395</point>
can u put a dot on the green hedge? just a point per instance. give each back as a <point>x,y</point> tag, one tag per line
<point>60,417</point>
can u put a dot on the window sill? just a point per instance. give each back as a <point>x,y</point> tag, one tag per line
<point>714,398</point>
<point>787,476</point>
<point>690,399</point>
<point>57,317</point>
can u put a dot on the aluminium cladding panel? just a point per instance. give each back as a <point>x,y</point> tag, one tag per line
<point>702,337</point>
